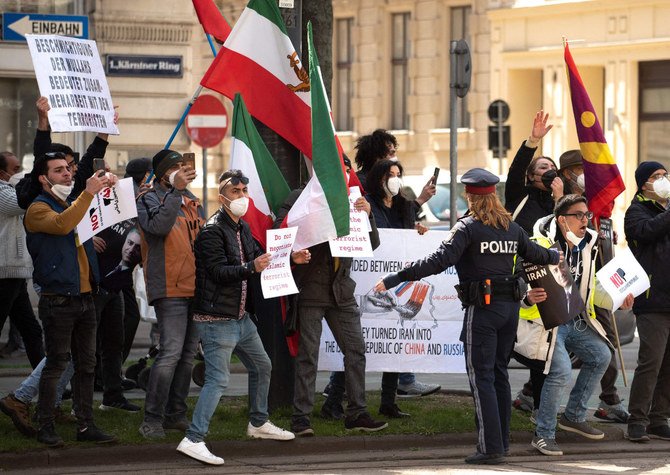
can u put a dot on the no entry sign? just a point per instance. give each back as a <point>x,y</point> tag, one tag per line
<point>207,121</point>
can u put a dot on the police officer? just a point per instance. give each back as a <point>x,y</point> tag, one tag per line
<point>482,246</point>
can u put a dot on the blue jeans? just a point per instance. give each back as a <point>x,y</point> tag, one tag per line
<point>219,340</point>
<point>30,386</point>
<point>170,376</point>
<point>583,341</point>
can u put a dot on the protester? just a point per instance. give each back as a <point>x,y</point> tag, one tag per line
<point>170,217</point>
<point>226,257</point>
<point>571,171</point>
<point>490,293</point>
<point>139,169</point>
<point>582,335</point>
<point>118,249</point>
<point>327,291</point>
<point>66,305</point>
<point>647,228</point>
<point>16,264</point>
<point>531,191</point>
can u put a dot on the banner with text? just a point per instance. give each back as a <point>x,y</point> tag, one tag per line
<point>277,278</point>
<point>70,74</point>
<point>357,242</point>
<point>414,327</point>
<point>109,206</point>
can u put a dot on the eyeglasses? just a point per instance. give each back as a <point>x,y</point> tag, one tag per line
<point>658,176</point>
<point>580,215</point>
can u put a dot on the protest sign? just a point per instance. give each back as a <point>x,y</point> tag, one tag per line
<point>412,327</point>
<point>70,75</point>
<point>276,278</point>
<point>564,302</point>
<point>621,276</point>
<point>357,242</point>
<point>109,206</point>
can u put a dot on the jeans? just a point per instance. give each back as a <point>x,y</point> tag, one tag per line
<point>29,387</point>
<point>69,326</point>
<point>609,394</point>
<point>170,376</point>
<point>346,328</point>
<point>109,313</point>
<point>650,390</point>
<point>16,305</point>
<point>577,337</point>
<point>219,340</point>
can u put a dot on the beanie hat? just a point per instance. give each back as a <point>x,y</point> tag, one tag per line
<point>644,171</point>
<point>164,160</point>
<point>569,159</point>
<point>137,168</point>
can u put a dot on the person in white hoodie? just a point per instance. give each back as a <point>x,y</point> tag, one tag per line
<point>17,266</point>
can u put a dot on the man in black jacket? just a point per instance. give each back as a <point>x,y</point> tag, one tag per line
<point>647,227</point>
<point>226,257</point>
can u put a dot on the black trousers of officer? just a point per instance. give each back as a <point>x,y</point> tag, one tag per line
<point>488,336</point>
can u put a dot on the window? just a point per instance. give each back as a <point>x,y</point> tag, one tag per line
<point>654,139</point>
<point>399,78</point>
<point>18,117</point>
<point>343,61</point>
<point>460,29</point>
<point>32,6</point>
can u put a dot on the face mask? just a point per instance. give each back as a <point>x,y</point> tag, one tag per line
<point>572,237</point>
<point>548,178</point>
<point>662,188</point>
<point>61,191</point>
<point>171,178</point>
<point>16,178</point>
<point>239,206</point>
<point>393,158</point>
<point>581,182</point>
<point>393,185</point>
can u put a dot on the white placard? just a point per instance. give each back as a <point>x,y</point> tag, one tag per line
<point>357,242</point>
<point>621,276</point>
<point>277,278</point>
<point>414,327</point>
<point>109,206</point>
<point>70,75</point>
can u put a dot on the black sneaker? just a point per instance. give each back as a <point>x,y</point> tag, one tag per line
<point>659,432</point>
<point>123,405</point>
<point>128,384</point>
<point>392,411</point>
<point>302,428</point>
<point>93,434</point>
<point>364,423</point>
<point>332,411</point>
<point>485,459</point>
<point>637,433</point>
<point>48,436</point>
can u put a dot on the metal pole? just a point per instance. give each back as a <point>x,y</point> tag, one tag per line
<point>501,147</point>
<point>453,136</point>
<point>211,45</point>
<point>204,181</point>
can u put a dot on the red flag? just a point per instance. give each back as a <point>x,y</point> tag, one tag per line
<point>603,180</point>
<point>212,20</point>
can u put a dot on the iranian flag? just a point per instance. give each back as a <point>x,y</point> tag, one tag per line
<point>259,61</point>
<point>267,187</point>
<point>321,212</point>
<point>211,19</point>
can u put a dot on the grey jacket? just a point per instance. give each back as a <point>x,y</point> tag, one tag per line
<point>14,258</point>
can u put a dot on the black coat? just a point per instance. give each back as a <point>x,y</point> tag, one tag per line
<point>647,228</point>
<point>539,204</point>
<point>219,270</point>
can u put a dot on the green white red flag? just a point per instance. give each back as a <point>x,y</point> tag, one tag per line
<point>211,19</point>
<point>267,188</point>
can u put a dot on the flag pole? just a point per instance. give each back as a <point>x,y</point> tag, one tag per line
<point>211,44</point>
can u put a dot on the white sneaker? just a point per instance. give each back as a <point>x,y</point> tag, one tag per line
<point>269,431</point>
<point>198,451</point>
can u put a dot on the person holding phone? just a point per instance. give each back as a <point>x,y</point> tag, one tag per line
<point>170,217</point>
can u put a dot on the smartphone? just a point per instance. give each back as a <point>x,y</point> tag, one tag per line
<point>189,159</point>
<point>99,165</point>
<point>436,173</point>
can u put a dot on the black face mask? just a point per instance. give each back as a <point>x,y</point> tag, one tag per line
<point>548,177</point>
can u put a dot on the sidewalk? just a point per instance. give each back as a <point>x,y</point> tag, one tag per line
<point>372,447</point>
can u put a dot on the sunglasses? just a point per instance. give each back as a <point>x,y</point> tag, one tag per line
<point>579,215</point>
<point>235,180</point>
<point>55,155</point>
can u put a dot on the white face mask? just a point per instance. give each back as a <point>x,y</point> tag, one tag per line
<point>393,185</point>
<point>61,191</point>
<point>572,237</point>
<point>239,206</point>
<point>16,178</point>
<point>171,177</point>
<point>581,182</point>
<point>662,188</point>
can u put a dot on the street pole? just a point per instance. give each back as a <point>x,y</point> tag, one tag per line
<point>501,146</point>
<point>204,181</point>
<point>453,136</point>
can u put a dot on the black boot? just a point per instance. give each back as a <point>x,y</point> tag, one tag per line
<point>47,435</point>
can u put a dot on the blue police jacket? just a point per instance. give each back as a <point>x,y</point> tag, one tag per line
<point>56,269</point>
